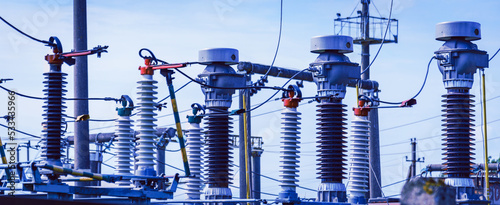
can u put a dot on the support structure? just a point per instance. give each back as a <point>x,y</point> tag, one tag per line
<point>458,61</point>
<point>256,155</point>
<point>414,160</point>
<point>82,150</point>
<point>333,72</point>
<point>218,78</point>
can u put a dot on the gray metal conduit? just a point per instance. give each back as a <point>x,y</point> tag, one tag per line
<point>250,68</point>
<point>440,167</point>
<point>106,137</point>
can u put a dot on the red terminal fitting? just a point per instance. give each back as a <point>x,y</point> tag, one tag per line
<point>148,69</point>
<point>361,110</point>
<point>54,59</point>
<point>291,102</point>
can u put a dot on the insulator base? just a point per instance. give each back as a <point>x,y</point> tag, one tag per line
<point>458,133</point>
<point>194,144</point>
<point>331,141</point>
<point>359,167</point>
<point>332,192</point>
<point>217,148</point>
<point>289,149</point>
<point>52,151</point>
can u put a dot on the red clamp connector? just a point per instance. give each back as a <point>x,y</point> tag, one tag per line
<point>361,110</point>
<point>291,101</point>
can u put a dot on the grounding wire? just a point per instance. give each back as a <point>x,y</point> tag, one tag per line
<point>377,9</point>
<point>394,183</point>
<point>279,40</point>
<point>25,34</point>
<point>383,39</point>
<point>494,55</point>
<point>16,130</point>
<point>421,87</point>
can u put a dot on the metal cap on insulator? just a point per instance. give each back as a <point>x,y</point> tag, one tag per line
<point>340,44</point>
<point>195,118</point>
<point>228,56</point>
<point>127,106</point>
<point>146,70</point>
<point>466,30</point>
<point>361,110</point>
<point>289,98</point>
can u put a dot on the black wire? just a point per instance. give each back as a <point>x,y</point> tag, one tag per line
<point>279,39</point>
<point>28,134</point>
<point>494,55</point>
<point>421,88</point>
<point>22,95</point>
<point>25,34</point>
<point>96,120</point>
<point>383,39</point>
<point>394,183</point>
<point>268,99</point>
<point>174,92</point>
<point>44,98</point>
<point>215,87</point>
<point>168,165</point>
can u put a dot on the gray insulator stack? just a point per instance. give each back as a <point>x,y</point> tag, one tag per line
<point>146,126</point>
<point>124,138</point>
<point>289,149</point>
<point>194,145</point>
<point>359,167</point>
<point>53,116</point>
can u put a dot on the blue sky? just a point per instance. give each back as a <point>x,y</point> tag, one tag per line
<point>176,30</point>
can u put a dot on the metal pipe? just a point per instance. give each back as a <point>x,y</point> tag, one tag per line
<point>244,149</point>
<point>485,140</point>
<point>256,188</point>
<point>82,150</point>
<point>440,167</point>
<point>275,71</point>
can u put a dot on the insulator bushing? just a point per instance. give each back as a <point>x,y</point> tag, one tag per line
<point>53,115</point>
<point>458,133</point>
<point>359,167</point>
<point>218,153</point>
<point>146,126</point>
<point>289,149</point>
<point>194,145</point>
<point>123,145</point>
<point>331,150</point>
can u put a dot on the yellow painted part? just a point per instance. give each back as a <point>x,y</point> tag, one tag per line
<point>245,128</point>
<point>58,169</point>
<point>485,127</point>
<point>174,104</point>
<point>4,159</point>
<point>357,95</point>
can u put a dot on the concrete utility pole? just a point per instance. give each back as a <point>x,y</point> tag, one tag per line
<point>375,177</point>
<point>82,153</point>
<point>414,159</point>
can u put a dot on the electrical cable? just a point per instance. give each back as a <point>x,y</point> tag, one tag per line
<point>44,98</point>
<point>494,55</point>
<point>279,40</point>
<point>168,165</point>
<point>394,183</point>
<point>232,88</point>
<point>383,39</point>
<point>25,34</point>
<point>419,91</point>
<point>268,99</point>
<point>16,130</point>
<point>174,92</point>
<point>95,120</point>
